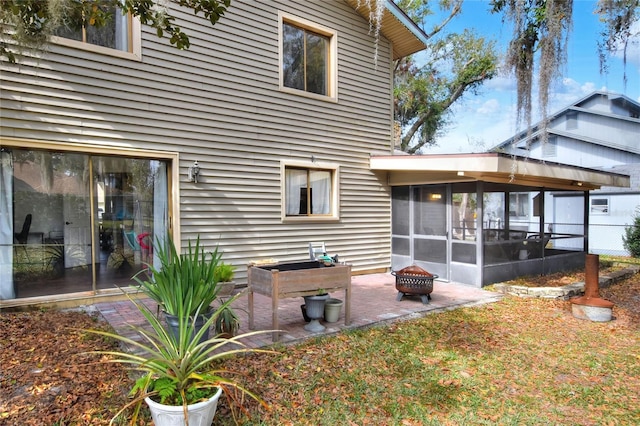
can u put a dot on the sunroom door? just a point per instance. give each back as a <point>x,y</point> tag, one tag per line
<point>430,236</point>
<point>419,228</point>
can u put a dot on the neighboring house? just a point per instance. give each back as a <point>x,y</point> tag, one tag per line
<point>109,147</point>
<point>601,131</point>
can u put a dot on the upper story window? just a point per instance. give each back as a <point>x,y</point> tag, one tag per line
<point>111,33</point>
<point>310,192</point>
<point>307,58</point>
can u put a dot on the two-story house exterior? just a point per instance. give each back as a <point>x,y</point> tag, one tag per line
<point>256,140</point>
<point>600,131</point>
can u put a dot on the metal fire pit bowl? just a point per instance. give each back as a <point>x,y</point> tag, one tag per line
<point>414,280</point>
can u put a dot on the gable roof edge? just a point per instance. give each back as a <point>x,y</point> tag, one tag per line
<point>405,35</point>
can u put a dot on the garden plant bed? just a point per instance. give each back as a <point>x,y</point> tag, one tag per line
<point>563,285</point>
<point>297,279</point>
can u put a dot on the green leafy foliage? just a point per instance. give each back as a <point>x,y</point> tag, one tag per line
<point>182,284</point>
<point>224,272</point>
<point>631,237</point>
<point>31,22</point>
<point>457,64</point>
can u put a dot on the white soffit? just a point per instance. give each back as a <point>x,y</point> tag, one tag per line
<point>492,167</point>
<point>407,38</point>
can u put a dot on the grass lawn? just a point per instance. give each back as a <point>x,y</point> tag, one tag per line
<point>517,361</point>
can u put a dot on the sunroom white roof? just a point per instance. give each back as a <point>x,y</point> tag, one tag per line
<point>492,167</point>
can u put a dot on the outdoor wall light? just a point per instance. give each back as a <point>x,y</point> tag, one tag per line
<point>194,171</point>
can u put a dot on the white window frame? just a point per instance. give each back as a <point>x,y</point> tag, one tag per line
<point>332,60</point>
<point>333,214</point>
<point>135,43</point>
<point>600,209</point>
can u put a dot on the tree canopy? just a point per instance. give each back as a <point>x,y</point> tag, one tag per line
<point>428,84</point>
<point>30,23</point>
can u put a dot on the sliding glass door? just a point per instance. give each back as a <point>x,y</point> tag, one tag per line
<point>74,222</point>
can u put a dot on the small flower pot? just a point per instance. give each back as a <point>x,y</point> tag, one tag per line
<point>332,308</point>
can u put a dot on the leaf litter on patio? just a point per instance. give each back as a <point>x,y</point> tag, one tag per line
<point>517,361</point>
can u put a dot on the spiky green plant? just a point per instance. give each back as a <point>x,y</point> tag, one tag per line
<point>180,280</point>
<point>178,370</point>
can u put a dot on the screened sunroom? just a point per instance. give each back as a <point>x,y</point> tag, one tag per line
<point>484,218</point>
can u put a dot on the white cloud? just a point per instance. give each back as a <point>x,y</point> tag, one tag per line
<point>633,48</point>
<point>489,107</point>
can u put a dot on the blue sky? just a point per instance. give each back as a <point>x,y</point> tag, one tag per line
<point>484,120</point>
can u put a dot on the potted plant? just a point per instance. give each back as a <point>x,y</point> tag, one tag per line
<point>227,322</point>
<point>314,308</point>
<point>182,284</point>
<point>224,274</point>
<point>181,376</point>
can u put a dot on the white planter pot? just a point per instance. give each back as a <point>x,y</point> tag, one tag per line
<point>200,414</point>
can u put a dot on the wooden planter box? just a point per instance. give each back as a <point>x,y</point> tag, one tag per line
<point>297,279</point>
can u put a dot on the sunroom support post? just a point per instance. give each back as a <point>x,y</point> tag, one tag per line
<point>480,232</point>
<point>585,229</point>
<point>543,194</point>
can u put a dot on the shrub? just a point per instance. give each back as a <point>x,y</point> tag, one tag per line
<point>631,237</point>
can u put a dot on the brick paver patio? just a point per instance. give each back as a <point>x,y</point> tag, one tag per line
<point>373,301</point>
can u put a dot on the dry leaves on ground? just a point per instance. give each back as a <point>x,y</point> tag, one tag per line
<point>47,379</point>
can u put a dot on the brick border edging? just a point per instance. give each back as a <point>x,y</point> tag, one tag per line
<point>568,291</point>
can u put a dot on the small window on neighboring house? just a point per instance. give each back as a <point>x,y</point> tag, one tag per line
<point>519,204</point>
<point>549,149</point>
<point>572,120</point>
<point>113,33</point>
<point>310,192</point>
<point>599,205</point>
<point>308,57</point>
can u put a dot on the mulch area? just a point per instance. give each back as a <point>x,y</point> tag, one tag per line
<point>47,378</point>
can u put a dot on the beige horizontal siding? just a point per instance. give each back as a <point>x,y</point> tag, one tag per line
<point>219,103</point>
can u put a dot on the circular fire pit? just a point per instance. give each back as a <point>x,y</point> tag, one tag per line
<point>413,280</point>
